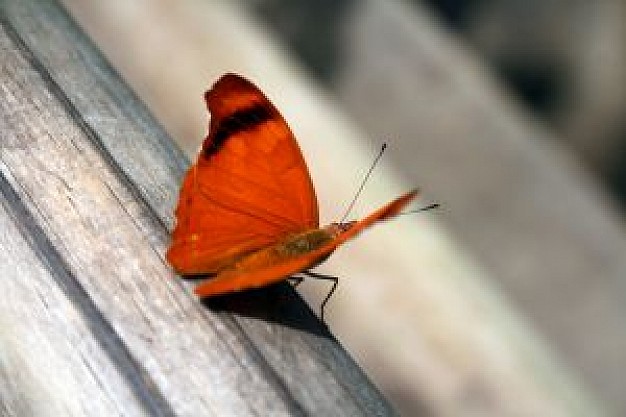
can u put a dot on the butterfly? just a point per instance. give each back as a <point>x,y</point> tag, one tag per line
<point>247,212</point>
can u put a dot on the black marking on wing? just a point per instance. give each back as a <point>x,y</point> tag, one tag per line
<point>241,120</point>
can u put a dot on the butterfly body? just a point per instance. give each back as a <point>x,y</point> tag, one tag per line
<point>247,211</point>
<point>292,247</point>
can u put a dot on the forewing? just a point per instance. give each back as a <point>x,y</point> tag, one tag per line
<point>249,187</point>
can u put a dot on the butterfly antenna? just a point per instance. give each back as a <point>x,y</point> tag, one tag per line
<point>358,193</point>
<point>425,208</point>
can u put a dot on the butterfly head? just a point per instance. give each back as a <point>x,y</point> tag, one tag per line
<point>335,229</point>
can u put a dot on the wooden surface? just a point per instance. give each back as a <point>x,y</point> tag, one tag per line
<point>94,322</point>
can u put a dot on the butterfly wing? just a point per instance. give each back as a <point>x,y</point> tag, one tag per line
<point>249,187</point>
<point>243,277</point>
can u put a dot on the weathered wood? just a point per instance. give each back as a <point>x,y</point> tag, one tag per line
<point>95,322</point>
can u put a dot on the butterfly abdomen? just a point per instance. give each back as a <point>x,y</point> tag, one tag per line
<point>292,247</point>
<point>305,242</point>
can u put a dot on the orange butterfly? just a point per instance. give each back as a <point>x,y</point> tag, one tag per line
<point>247,211</point>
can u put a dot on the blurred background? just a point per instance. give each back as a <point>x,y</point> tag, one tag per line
<point>511,299</point>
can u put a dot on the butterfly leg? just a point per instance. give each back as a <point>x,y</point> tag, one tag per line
<point>335,281</point>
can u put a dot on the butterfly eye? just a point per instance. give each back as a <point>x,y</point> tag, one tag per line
<point>346,226</point>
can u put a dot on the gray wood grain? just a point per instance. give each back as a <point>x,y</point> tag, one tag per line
<point>97,323</point>
<point>58,351</point>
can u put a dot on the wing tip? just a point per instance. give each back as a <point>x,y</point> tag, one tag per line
<point>394,207</point>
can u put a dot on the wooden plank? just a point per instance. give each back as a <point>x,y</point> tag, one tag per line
<point>93,180</point>
<point>59,354</point>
